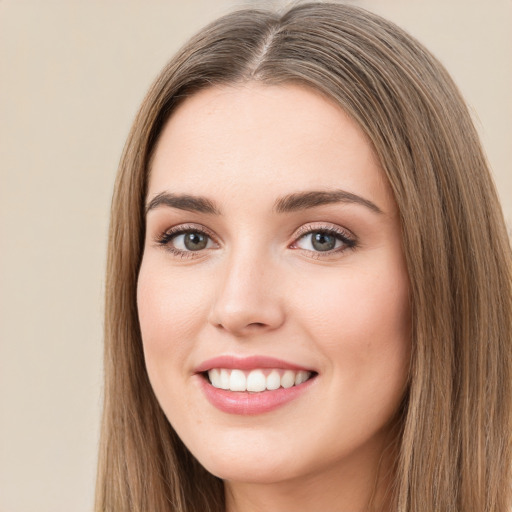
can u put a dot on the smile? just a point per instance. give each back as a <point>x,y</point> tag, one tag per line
<point>257,380</point>
<point>252,385</point>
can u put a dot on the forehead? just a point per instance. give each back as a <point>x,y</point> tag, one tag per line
<point>255,138</point>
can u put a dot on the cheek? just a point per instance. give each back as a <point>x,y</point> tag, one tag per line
<point>168,309</point>
<point>361,324</point>
<point>361,321</point>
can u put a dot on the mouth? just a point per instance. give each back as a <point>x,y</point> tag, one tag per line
<point>252,385</point>
<point>256,380</point>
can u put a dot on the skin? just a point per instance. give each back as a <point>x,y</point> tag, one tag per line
<point>261,288</point>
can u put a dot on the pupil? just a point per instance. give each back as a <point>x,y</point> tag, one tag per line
<point>195,241</point>
<point>323,242</point>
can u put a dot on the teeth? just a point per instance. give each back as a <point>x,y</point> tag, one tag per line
<point>288,379</point>
<point>224,379</point>
<point>273,380</point>
<point>301,377</point>
<point>214,376</point>
<point>256,380</point>
<point>237,381</point>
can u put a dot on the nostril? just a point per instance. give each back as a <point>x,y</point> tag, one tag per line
<point>245,315</point>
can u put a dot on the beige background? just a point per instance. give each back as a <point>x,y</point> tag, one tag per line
<point>72,74</point>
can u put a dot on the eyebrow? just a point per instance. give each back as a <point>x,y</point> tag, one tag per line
<point>289,203</point>
<point>305,200</point>
<point>183,202</point>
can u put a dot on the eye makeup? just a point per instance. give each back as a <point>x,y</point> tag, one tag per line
<point>323,240</point>
<point>317,240</point>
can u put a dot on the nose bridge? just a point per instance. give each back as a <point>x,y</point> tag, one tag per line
<point>247,297</point>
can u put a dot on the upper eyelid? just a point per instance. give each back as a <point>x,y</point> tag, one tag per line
<point>302,230</point>
<point>328,227</point>
<point>188,227</point>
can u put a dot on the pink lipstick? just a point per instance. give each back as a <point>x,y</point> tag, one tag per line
<point>252,385</point>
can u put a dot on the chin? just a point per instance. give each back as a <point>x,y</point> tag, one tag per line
<point>249,472</point>
<point>251,466</point>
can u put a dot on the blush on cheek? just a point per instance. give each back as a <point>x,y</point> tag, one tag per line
<point>172,309</point>
<point>362,320</point>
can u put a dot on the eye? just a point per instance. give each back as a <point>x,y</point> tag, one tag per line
<point>191,241</point>
<point>183,240</point>
<point>323,240</point>
<point>318,241</point>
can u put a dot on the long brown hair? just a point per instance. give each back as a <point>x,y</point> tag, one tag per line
<point>454,446</point>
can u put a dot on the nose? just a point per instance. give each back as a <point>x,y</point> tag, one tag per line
<point>247,298</point>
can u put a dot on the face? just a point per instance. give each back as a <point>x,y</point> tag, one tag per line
<point>273,293</point>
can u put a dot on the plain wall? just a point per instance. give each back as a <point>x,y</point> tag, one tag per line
<point>72,74</point>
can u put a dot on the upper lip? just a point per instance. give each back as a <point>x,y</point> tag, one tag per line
<point>247,363</point>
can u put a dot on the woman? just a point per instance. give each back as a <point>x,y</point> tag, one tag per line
<point>309,301</point>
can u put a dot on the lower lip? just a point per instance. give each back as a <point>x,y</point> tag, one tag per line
<point>246,403</point>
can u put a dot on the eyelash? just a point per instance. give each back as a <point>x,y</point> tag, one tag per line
<point>345,237</point>
<point>348,240</point>
<point>166,237</point>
